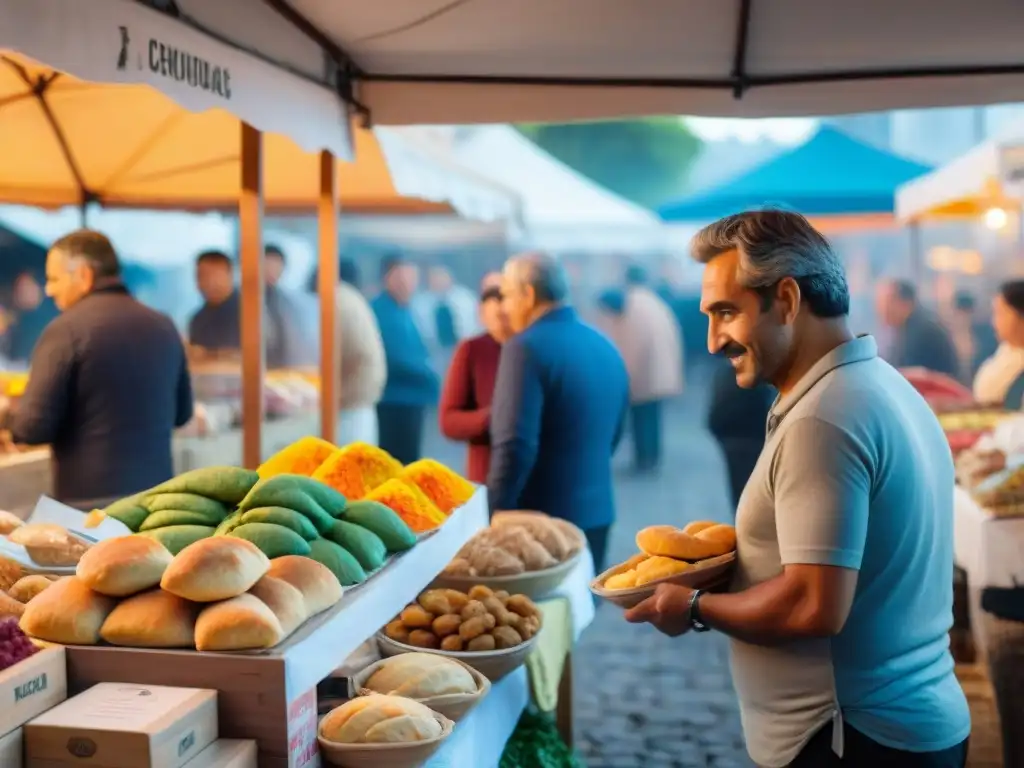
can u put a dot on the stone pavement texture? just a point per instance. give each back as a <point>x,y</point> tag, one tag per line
<point>644,700</point>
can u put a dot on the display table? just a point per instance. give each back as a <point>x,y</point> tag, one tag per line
<point>990,550</point>
<point>480,738</point>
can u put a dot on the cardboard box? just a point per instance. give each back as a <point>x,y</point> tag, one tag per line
<point>31,687</point>
<point>226,753</point>
<point>113,725</point>
<point>11,749</point>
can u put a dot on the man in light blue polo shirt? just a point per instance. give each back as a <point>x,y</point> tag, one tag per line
<point>841,602</point>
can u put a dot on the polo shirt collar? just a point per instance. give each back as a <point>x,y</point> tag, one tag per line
<point>856,350</point>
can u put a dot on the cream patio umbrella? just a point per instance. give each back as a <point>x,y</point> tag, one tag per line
<point>494,61</point>
<point>76,142</point>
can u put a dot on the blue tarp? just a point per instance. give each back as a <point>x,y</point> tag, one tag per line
<point>828,175</point>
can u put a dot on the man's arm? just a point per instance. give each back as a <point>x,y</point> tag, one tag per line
<point>515,425</point>
<point>39,415</point>
<point>823,483</point>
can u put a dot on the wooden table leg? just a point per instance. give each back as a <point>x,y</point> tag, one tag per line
<point>564,712</point>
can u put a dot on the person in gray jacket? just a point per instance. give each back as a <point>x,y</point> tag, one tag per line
<point>109,381</point>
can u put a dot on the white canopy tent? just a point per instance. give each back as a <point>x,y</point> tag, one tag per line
<point>561,209</point>
<point>453,61</point>
<point>966,187</point>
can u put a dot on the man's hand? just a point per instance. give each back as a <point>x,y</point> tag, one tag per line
<point>668,609</point>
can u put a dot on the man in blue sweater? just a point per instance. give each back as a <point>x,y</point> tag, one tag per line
<point>412,383</point>
<point>560,401</point>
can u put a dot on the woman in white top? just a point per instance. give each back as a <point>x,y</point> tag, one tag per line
<point>1000,379</point>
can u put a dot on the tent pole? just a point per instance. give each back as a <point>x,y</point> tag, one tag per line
<point>327,282</point>
<point>250,239</point>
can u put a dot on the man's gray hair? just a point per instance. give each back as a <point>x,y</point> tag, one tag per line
<point>543,272</point>
<point>775,244</point>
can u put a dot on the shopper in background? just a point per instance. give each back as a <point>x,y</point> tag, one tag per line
<point>736,419</point>
<point>412,384</point>
<point>363,367</point>
<point>1000,379</point>
<point>842,596</point>
<point>920,339</point>
<point>286,344</point>
<point>109,381</point>
<point>648,337</point>
<point>33,311</point>
<point>560,402</point>
<point>973,339</point>
<point>465,411</point>
<point>216,326</point>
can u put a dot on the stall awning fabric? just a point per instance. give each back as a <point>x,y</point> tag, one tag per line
<point>68,141</point>
<point>965,187</point>
<point>495,61</point>
<point>831,174</point>
<point>125,43</point>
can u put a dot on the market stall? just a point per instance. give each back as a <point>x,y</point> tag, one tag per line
<point>153,602</point>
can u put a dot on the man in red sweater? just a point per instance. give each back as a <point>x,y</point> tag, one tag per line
<point>465,412</point>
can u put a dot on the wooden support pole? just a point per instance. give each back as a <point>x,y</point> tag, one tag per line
<point>327,283</point>
<point>250,246</point>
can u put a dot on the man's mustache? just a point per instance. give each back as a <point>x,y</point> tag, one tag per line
<point>732,350</point>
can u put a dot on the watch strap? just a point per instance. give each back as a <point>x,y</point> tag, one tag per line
<point>696,621</point>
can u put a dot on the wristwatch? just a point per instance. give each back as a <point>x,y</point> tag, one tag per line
<point>696,623</point>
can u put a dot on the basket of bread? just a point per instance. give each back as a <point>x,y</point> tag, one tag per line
<point>381,731</point>
<point>491,631</point>
<point>448,686</point>
<point>524,553</point>
<point>700,555</point>
<point>41,547</point>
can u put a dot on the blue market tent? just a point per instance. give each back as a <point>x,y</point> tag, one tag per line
<point>831,174</point>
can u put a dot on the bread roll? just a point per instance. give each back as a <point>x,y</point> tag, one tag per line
<point>213,569</point>
<point>708,540</point>
<point>9,522</point>
<point>657,567</point>
<point>124,565</point>
<point>239,624</point>
<point>380,719</point>
<point>154,619</point>
<point>319,587</point>
<point>421,676</point>
<point>284,600</point>
<point>68,612</point>
<point>27,587</point>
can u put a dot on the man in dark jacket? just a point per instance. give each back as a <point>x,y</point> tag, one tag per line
<point>412,385</point>
<point>109,380</point>
<point>920,339</point>
<point>560,401</point>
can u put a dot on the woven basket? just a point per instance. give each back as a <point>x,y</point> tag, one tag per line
<point>492,664</point>
<point>454,706</point>
<point>407,755</point>
<point>703,574</point>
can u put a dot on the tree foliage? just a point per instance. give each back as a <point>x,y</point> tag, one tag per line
<point>644,160</point>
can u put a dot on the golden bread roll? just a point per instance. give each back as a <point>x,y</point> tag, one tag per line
<point>154,619</point>
<point>319,587</point>
<point>669,541</point>
<point>27,587</point>
<point>657,567</point>
<point>9,522</point>
<point>217,568</point>
<point>68,612</point>
<point>421,676</point>
<point>380,719</point>
<point>124,565</point>
<point>239,624</point>
<point>624,580</point>
<point>10,608</point>
<point>284,600</point>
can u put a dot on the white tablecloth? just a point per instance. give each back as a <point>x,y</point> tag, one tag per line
<point>576,588</point>
<point>989,549</point>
